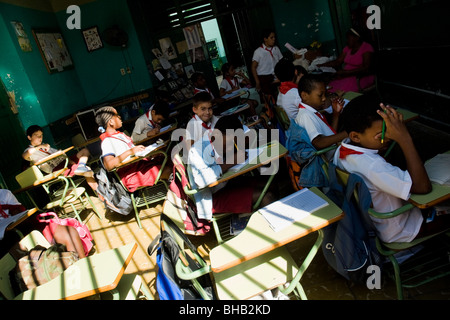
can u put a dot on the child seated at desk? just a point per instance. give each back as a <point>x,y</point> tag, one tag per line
<point>149,124</point>
<point>203,120</point>
<point>288,96</point>
<point>322,135</point>
<point>38,150</point>
<point>117,147</point>
<point>389,185</point>
<point>208,159</point>
<point>200,85</point>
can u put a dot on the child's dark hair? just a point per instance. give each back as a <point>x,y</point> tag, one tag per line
<point>360,113</point>
<point>32,129</point>
<point>225,68</point>
<point>195,76</point>
<point>201,97</point>
<point>228,122</point>
<point>301,70</point>
<point>284,70</point>
<point>161,107</point>
<point>308,83</point>
<point>266,33</point>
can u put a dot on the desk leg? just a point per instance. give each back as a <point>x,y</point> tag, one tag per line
<point>263,193</point>
<point>295,283</point>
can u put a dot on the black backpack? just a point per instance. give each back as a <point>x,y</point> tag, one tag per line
<point>115,196</point>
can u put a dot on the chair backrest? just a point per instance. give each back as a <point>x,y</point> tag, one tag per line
<point>282,117</point>
<point>182,174</point>
<point>29,176</point>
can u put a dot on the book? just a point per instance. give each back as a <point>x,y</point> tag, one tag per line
<point>252,158</point>
<point>438,169</point>
<point>282,213</point>
<point>148,149</point>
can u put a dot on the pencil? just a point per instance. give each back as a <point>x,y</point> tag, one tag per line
<point>383,130</point>
<point>237,149</point>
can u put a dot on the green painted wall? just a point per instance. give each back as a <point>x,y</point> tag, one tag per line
<point>300,22</point>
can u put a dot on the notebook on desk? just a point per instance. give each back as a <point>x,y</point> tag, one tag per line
<point>252,158</point>
<point>282,213</point>
<point>438,169</point>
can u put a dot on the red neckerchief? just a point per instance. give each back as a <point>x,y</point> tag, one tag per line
<point>344,152</point>
<point>3,213</point>
<point>300,106</point>
<point>204,125</point>
<point>286,86</point>
<point>232,85</point>
<point>151,121</point>
<point>9,207</point>
<point>197,90</point>
<point>128,140</point>
<point>40,149</point>
<point>270,51</point>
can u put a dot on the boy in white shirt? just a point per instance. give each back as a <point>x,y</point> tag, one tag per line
<point>149,123</point>
<point>321,133</point>
<point>389,185</point>
<point>288,96</point>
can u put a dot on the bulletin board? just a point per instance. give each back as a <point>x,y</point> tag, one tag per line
<point>53,50</point>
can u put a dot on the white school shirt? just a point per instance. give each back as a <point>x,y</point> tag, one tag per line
<point>389,188</point>
<point>289,102</point>
<point>195,128</point>
<point>39,154</point>
<point>143,125</point>
<point>266,60</point>
<point>197,90</point>
<point>116,144</point>
<point>227,86</point>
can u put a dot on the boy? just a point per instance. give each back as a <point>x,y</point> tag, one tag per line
<point>313,94</point>
<point>200,85</point>
<point>149,123</point>
<point>203,120</point>
<point>38,150</point>
<point>288,96</point>
<point>209,158</point>
<point>389,185</point>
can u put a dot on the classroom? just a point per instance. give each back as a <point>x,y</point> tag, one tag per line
<point>124,107</point>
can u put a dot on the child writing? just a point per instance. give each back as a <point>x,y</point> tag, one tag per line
<point>209,158</point>
<point>389,185</point>
<point>117,146</point>
<point>288,96</point>
<point>203,120</point>
<point>232,81</point>
<point>149,124</point>
<point>322,135</point>
<point>38,150</point>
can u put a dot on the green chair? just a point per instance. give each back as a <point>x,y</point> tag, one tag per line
<point>282,117</point>
<point>424,266</point>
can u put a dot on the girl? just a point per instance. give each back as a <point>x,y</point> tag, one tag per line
<point>117,146</point>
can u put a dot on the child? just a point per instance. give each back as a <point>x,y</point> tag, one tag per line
<point>233,81</point>
<point>288,96</point>
<point>149,123</point>
<point>200,85</point>
<point>38,150</point>
<point>320,132</point>
<point>117,146</point>
<point>263,62</point>
<point>299,73</point>
<point>209,158</point>
<point>203,120</point>
<point>389,185</point>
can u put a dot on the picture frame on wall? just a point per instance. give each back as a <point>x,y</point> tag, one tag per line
<point>53,50</point>
<point>92,39</point>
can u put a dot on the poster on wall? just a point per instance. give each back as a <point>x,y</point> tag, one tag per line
<point>92,39</point>
<point>167,48</point>
<point>53,50</point>
<point>22,36</point>
<point>194,36</point>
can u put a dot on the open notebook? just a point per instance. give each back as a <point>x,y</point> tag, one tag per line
<point>148,149</point>
<point>282,213</point>
<point>438,169</point>
<point>252,158</point>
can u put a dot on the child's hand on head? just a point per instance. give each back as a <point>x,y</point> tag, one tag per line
<point>395,127</point>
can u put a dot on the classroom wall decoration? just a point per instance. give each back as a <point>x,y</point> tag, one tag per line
<point>53,50</point>
<point>22,36</point>
<point>92,39</point>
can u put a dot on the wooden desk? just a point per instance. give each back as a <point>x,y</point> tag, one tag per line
<point>94,274</point>
<point>53,156</point>
<point>235,110</point>
<point>156,136</point>
<point>135,158</point>
<point>258,246</point>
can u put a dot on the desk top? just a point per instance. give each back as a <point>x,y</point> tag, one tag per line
<point>259,238</point>
<point>94,274</point>
<point>53,156</point>
<point>159,134</point>
<point>274,151</point>
<point>135,158</point>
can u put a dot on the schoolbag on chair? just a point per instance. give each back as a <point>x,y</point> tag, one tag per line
<point>349,245</point>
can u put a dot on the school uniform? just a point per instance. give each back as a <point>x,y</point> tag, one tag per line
<point>314,123</point>
<point>196,128</point>
<point>198,90</point>
<point>226,197</point>
<point>229,84</point>
<point>143,125</point>
<point>138,174</point>
<point>289,98</point>
<point>267,58</point>
<point>51,165</point>
<point>389,188</point>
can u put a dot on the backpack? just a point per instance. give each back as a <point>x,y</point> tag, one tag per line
<point>168,285</point>
<point>349,245</point>
<point>115,196</point>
